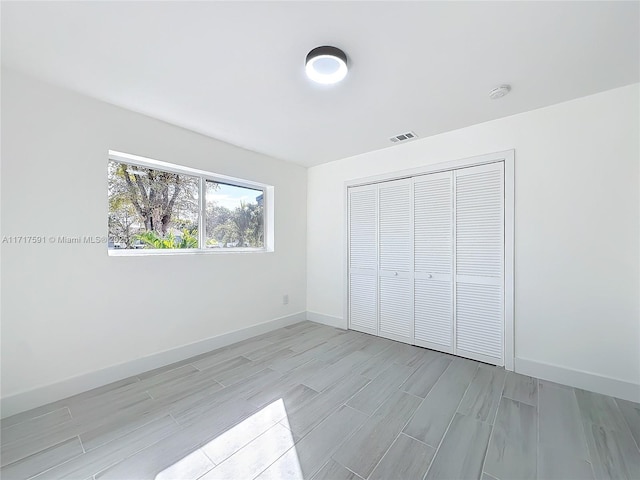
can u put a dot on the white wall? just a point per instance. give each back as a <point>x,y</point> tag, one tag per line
<point>69,310</point>
<point>576,232</point>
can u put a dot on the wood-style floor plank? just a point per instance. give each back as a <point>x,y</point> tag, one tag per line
<point>163,454</point>
<point>512,452</point>
<point>614,454</point>
<point>432,418</point>
<point>237,437</point>
<point>556,464</point>
<point>369,444</point>
<point>380,388</point>
<point>600,410</point>
<point>34,426</point>
<point>333,373</point>
<point>560,422</point>
<point>334,471</point>
<point>631,413</point>
<point>521,388</point>
<point>246,464</point>
<point>424,378</point>
<point>406,458</point>
<point>309,454</point>
<point>609,436</point>
<point>111,453</point>
<point>377,363</point>
<point>308,416</point>
<point>44,460</point>
<point>483,395</point>
<point>462,451</point>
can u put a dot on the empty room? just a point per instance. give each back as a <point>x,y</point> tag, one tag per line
<point>347,240</point>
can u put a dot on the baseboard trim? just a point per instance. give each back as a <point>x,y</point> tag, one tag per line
<point>579,379</point>
<point>40,396</point>
<point>336,322</point>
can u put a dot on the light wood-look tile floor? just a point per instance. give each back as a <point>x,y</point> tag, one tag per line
<point>310,401</point>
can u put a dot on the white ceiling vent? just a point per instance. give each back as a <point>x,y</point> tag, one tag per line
<point>403,137</point>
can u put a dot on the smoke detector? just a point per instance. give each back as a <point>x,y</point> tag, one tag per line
<point>499,92</point>
<point>403,137</point>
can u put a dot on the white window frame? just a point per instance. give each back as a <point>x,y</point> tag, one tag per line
<point>203,176</point>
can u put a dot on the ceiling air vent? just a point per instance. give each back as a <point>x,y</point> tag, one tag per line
<point>403,137</point>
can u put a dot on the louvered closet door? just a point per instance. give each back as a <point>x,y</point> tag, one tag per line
<point>479,233</point>
<point>363,259</point>
<point>433,240</point>
<point>395,260</point>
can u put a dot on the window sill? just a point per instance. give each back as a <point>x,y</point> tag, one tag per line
<point>184,251</point>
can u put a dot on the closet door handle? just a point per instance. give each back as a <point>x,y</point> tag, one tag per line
<point>395,274</point>
<point>429,276</point>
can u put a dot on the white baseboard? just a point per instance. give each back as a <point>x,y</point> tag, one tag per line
<point>579,379</point>
<point>71,386</point>
<point>327,320</point>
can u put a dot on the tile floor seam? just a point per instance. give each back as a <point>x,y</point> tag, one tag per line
<point>174,419</point>
<point>36,417</point>
<point>324,465</point>
<point>334,410</point>
<point>490,476</point>
<point>199,447</point>
<point>417,440</point>
<point>269,466</point>
<point>413,395</point>
<point>214,466</point>
<point>385,454</point>
<point>432,385</point>
<point>42,473</point>
<point>450,422</point>
<point>210,459</point>
<point>625,423</point>
<point>493,426</point>
<point>584,433</point>
<point>347,468</point>
<point>348,437</point>
<point>132,453</point>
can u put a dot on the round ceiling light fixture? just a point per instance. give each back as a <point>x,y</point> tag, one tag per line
<point>326,65</point>
<point>499,92</point>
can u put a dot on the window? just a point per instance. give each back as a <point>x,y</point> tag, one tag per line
<point>234,216</point>
<point>156,207</point>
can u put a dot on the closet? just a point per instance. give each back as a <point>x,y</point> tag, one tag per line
<point>426,261</point>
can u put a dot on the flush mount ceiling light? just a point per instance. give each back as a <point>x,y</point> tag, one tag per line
<point>499,92</point>
<point>326,65</point>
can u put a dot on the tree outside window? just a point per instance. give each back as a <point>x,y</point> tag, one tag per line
<point>154,209</point>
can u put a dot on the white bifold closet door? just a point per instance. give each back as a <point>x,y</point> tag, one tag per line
<point>363,258</point>
<point>479,262</point>
<point>426,261</point>
<point>433,239</point>
<point>395,274</point>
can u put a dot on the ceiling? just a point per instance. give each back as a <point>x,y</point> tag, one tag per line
<point>235,70</point>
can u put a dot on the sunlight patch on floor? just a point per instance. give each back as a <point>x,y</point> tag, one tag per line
<point>244,450</point>
<point>192,466</point>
